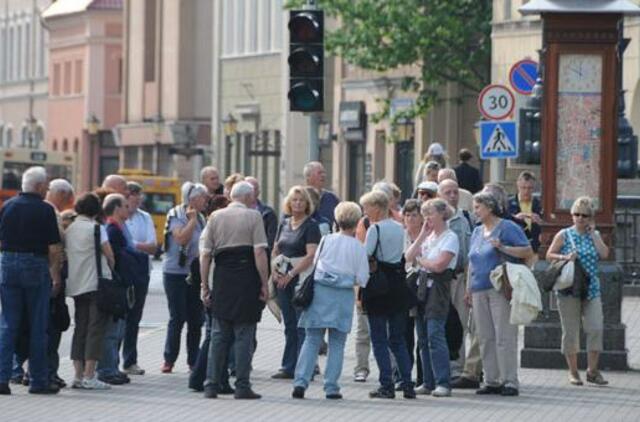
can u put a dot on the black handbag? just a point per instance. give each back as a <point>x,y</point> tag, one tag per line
<point>112,296</point>
<point>550,275</point>
<point>59,310</point>
<point>378,284</point>
<point>303,296</point>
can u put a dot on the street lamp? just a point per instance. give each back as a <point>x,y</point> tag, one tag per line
<point>404,130</point>
<point>93,129</point>
<point>230,125</point>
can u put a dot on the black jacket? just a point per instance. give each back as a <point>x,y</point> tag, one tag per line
<point>468,177</point>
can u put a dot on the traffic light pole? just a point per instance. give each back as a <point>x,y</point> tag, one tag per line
<point>314,149</point>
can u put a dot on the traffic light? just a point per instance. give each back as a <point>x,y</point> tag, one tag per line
<point>306,60</point>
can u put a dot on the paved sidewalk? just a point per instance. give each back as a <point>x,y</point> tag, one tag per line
<point>545,394</point>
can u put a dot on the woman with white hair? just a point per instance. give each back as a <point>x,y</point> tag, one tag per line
<point>184,225</point>
<point>341,263</point>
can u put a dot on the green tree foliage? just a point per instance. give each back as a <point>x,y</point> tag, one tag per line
<point>446,40</point>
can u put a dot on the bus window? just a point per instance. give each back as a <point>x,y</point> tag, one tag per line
<point>158,203</point>
<point>12,173</point>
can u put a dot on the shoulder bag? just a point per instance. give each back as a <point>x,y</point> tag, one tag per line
<point>378,284</point>
<point>303,297</point>
<point>112,296</point>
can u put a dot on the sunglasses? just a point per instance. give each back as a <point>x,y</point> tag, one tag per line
<point>577,214</point>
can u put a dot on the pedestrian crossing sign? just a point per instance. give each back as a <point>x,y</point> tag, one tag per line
<point>498,139</point>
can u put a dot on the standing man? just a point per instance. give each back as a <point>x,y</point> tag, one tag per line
<point>459,224</point>
<point>316,176</point>
<point>61,197</point>
<point>236,240</point>
<point>143,234</point>
<point>526,209</point>
<point>30,243</point>
<point>210,177</point>
<point>465,198</point>
<point>269,217</point>
<point>469,177</point>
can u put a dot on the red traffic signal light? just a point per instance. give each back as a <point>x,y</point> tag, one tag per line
<point>306,26</point>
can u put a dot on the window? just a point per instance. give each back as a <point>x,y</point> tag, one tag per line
<point>265,26</point>
<point>55,89</point>
<point>26,71</point>
<point>18,54</point>
<point>77,76</point>
<point>65,145</point>
<point>8,137</point>
<point>66,90</point>
<point>278,10</point>
<point>150,40</point>
<point>252,26</point>
<point>10,49</point>
<point>3,49</point>
<point>227,33</point>
<point>76,145</point>
<point>55,144</point>
<point>239,26</point>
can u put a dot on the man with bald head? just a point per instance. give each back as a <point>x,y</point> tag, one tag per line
<point>465,200</point>
<point>116,183</point>
<point>315,175</point>
<point>460,224</point>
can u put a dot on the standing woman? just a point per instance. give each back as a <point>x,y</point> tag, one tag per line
<point>82,286</point>
<point>341,263</point>
<point>185,223</point>
<point>436,250</point>
<point>582,242</point>
<point>296,242</point>
<point>387,312</point>
<point>492,242</point>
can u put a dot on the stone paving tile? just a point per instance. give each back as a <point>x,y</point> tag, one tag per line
<point>545,394</point>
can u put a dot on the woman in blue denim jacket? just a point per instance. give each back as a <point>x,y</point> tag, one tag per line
<point>341,263</point>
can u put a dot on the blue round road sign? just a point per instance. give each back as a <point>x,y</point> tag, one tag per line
<point>523,76</point>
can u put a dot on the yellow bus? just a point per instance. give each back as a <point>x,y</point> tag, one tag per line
<point>14,162</point>
<point>160,194</point>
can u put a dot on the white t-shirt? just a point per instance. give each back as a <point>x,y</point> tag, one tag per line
<point>342,254</point>
<point>446,242</point>
<point>80,248</point>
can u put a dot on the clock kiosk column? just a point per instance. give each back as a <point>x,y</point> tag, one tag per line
<point>579,141</point>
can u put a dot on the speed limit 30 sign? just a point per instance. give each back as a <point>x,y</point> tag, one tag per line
<point>496,102</point>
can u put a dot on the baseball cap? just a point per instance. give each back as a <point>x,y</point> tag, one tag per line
<point>435,149</point>
<point>428,185</point>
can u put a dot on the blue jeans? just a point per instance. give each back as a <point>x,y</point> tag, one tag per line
<point>108,365</point>
<point>199,372</point>
<point>25,286</point>
<point>387,333</point>
<point>309,356</point>
<point>294,336</point>
<point>224,335</point>
<point>434,352</point>
<point>185,306</point>
<point>134,316</point>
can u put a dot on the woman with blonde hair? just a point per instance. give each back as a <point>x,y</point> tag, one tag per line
<point>581,243</point>
<point>293,251</point>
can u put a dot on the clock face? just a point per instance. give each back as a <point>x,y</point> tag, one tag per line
<point>580,73</point>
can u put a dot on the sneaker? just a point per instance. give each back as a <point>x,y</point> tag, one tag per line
<point>111,379</point>
<point>423,391</point>
<point>282,375</point>
<point>76,384</point>
<point>334,396</point>
<point>210,391</point>
<point>489,389</point>
<point>360,376</point>
<point>441,391</point>
<point>123,377</point>
<point>166,368</point>
<point>246,394</point>
<point>574,379</point>
<point>509,392</point>
<point>134,370</point>
<point>50,389</point>
<point>409,392</point>
<point>465,383</point>
<point>4,389</point>
<point>61,383</point>
<point>94,384</point>
<point>596,378</point>
<point>382,393</point>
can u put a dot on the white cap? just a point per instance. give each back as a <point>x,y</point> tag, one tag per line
<point>432,186</point>
<point>435,149</point>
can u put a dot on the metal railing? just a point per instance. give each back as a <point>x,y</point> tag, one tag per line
<point>627,243</point>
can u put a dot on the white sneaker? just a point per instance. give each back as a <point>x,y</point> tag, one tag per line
<point>360,376</point>
<point>441,391</point>
<point>94,384</point>
<point>77,383</point>
<point>134,370</point>
<point>423,391</point>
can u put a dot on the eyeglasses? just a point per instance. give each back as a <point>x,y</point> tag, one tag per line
<point>577,214</point>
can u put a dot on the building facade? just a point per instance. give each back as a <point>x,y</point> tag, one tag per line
<point>23,73</point>
<point>85,84</point>
<point>167,86</point>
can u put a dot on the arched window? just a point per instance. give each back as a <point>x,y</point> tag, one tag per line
<point>65,145</point>
<point>8,140</point>
<point>76,145</point>
<point>55,144</point>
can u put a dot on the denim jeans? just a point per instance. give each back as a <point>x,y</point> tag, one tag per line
<point>387,333</point>
<point>434,352</point>
<point>309,356</point>
<point>108,365</point>
<point>199,373</point>
<point>185,306</point>
<point>25,286</point>
<point>294,336</point>
<point>132,325</point>
<point>225,334</point>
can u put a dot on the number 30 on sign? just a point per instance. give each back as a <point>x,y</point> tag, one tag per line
<point>496,102</point>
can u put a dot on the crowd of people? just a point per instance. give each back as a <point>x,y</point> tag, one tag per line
<point>416,276</point>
